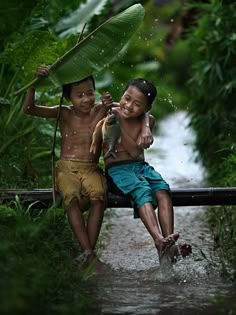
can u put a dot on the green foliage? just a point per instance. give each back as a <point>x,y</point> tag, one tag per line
<point>75,21</point>
<point>38,275</point>
<point>147,56</point>
<point>213,111</point>
<point>213,85</point>
<point>14,16</point>
<point>39,48</point>
<point>20,150</point>
<point>223,223</point>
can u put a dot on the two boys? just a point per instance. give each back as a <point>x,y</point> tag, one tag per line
<point>78,176</point>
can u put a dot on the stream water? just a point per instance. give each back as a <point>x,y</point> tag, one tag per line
<point>137,285</point>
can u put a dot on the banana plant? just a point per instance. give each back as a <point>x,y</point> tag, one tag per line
<point>94,52</point>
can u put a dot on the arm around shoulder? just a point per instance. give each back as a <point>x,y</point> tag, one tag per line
<point>151,121</point>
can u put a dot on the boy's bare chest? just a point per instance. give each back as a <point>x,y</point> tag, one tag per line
<point>74,123</point>
<point>131,128</point>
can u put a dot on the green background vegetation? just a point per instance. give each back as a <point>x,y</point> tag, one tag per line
<point>196,73</point>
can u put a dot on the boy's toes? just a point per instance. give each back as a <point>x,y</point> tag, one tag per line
<point>171,239</point>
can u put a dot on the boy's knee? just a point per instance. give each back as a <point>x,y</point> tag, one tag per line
<point>163,195</point>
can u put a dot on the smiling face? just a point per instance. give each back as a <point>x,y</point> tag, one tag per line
<point>133,103</point>
<point>82,96</point>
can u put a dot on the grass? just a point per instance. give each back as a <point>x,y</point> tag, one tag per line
<point>38,272</point>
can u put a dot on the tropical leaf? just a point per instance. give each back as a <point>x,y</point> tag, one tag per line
<point>69,25</point>
<point>94,52</point>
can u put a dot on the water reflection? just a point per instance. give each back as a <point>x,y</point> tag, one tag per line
<point>136,284</point>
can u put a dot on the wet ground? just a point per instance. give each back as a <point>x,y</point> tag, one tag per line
<point>136,284</point>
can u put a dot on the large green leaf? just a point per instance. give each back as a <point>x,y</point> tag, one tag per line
<point>95,51</point>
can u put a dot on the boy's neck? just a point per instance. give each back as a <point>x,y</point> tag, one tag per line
<point>78,112</point>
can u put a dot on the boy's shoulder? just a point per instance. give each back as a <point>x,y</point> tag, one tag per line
<point>67,108</point>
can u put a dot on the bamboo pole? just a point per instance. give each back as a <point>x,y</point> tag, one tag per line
<point>214,196</point>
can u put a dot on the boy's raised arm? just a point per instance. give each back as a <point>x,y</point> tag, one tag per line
<point>29,106</point>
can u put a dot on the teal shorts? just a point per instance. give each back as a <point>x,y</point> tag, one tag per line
<point>139,180</point>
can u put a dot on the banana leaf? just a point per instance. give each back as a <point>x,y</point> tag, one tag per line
<point>93,53</point>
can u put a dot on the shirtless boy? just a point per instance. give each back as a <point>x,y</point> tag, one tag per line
<point>78,175</point>
<point>79,178</point>
<point>135,177</point>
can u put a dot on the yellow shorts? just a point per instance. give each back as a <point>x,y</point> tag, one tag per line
<point>81,180</point>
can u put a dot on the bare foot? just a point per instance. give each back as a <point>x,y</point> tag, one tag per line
<point>167,241</point>
<point>166,244</point>
<point>92,264</point>
<point>174,251</point>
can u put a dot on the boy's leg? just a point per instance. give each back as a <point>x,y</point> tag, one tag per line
<point>166,220</point>
<point>165,212</point>
<point>94,222</point>
<point>76,221</point>
<point>148,217</point>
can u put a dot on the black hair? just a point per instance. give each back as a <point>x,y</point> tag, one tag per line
<point>146,87</point>
<point>66,88</point>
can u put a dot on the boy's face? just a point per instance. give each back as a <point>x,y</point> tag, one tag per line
<point>82,96</point>
<point>133,103</point>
